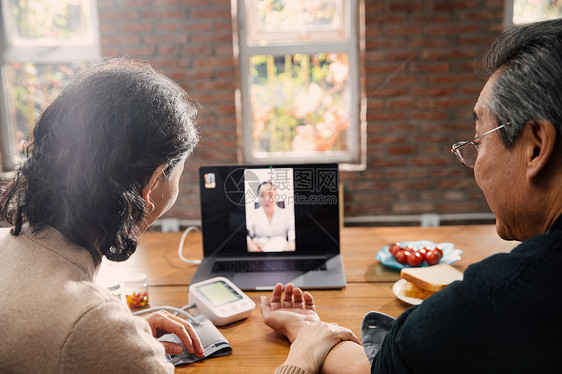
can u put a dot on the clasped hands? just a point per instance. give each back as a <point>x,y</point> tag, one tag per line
<point>293,313</point>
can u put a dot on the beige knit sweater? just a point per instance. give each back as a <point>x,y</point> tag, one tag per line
<point>55,319</point>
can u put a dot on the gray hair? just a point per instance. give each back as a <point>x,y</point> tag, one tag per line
<point>528,59</point>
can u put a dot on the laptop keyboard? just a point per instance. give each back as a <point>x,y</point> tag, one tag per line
<point>269,265</point>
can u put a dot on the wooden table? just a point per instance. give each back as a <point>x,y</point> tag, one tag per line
<point>256,348</point>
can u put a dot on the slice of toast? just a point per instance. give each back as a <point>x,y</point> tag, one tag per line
<point>412,291</point>
<point>431,278</point>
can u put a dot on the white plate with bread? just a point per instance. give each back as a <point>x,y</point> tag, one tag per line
<point>417,284</point>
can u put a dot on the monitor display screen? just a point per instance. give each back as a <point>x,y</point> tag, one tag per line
<point>270,209</point>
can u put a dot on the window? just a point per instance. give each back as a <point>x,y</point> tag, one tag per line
<point>43,44</point>
<point>525,11</point>
<point>299,80</point>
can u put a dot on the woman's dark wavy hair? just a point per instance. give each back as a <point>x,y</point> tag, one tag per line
<point>94,149</point>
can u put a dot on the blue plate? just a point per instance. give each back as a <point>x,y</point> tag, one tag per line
<point>450,254</point>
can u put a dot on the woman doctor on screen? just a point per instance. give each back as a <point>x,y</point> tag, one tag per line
<point>270,228</point>
<point>105,161</point>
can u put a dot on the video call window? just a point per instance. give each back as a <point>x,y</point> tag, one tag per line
<point>269,209</point>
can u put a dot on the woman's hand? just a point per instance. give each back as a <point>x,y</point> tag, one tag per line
<point>254,245</point>
<point>163,322</point>
<point>313,343</point>
<point>288,312</point>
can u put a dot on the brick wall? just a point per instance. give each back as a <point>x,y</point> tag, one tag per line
<point>419,79</point>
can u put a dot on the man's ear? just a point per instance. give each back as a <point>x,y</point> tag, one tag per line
<point>541,143</point>
<point>153,183</point>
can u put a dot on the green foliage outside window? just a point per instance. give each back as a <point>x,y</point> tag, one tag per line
<point>33,87</point>
<point>299,102</point>
<point>283,15</point>
<point>533,10</point>
<point>43,19</point>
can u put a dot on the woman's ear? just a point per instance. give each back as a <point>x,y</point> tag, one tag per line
<point>541,143</point>
<point>153,183</point>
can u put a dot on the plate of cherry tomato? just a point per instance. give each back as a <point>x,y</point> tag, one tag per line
<point>418,254</point>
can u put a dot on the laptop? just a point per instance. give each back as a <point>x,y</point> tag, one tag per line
<point>269,224</point>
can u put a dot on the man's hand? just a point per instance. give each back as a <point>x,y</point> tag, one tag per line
<point>163,322</point>
<point>288,312</point>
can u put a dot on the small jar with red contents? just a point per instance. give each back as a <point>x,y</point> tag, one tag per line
<point>134,290</point>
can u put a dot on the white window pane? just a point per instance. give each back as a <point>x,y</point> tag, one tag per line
<point>295,20</point>
<point>30,88</point>
<point>49,22</point>
<point>299,103</point>
<point>525,11</point>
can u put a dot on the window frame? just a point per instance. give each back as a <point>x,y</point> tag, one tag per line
<point>350,45</point>
<point>508,14</point>
<point>50,53</point>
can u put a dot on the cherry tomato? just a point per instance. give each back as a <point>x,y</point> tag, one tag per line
<point>422,252</point>
<point>394,248</point>
<point>439,252</point>
<point>431,258</point>
<point>415,259</point>
<point>401,257</point>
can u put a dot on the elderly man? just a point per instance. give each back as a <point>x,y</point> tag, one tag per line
<point>504,317</point>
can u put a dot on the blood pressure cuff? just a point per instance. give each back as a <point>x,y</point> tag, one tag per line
<point>374,328</point>
<point>214,343</point>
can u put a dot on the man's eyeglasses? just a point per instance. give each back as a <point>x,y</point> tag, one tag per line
<point>467,151</point>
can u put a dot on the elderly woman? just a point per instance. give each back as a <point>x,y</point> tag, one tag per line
<point>104,162</point>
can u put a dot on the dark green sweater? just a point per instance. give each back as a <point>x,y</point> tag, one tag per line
<point>505,316</point>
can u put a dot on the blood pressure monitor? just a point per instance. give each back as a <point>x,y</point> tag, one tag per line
<point>220,300</point>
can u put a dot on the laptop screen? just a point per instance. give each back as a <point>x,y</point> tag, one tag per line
<point>266,210</point>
